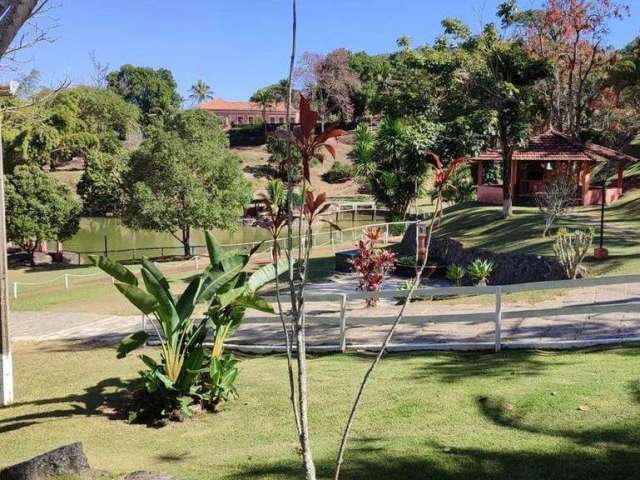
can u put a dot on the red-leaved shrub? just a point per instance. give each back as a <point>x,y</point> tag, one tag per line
<point>372,263</point>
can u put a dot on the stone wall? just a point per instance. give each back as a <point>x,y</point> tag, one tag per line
<point>510,267</point>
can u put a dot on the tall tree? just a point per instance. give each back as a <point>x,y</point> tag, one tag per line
<point>154,92</point>
<point>339,82</point>
<point>571,35</point>
<point>200,92</point>
<point>503,82</point>
<point>185,176</point>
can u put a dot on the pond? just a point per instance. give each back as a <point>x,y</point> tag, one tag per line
<point>93,232</point>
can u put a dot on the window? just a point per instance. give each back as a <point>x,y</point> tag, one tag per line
<point>250,119</point>
<point>293,120</point>
<point>272,119</point>
<point>281,120</point>
<point>240,119</point>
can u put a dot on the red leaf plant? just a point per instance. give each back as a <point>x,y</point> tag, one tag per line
<point>372,263</point>
<point>273,220</point>
<point>304,139</point>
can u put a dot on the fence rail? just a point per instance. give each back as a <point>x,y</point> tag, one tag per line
<point>497,316</point>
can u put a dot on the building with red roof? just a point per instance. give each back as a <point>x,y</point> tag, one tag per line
<point>234,113</point>
<point>545,155</point>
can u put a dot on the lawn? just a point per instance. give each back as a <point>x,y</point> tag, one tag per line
<point>517,415</point>
<point>483,226</point>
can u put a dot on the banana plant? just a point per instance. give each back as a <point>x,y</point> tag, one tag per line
<point>226,291</point>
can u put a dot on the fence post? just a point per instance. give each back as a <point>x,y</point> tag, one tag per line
<point>66,281</point>
<point>343,323</point>
<point>386,234</point>
<point>373,212</point>
<point>197,263</point>
<point>15,290</point>
<point>498,319</point>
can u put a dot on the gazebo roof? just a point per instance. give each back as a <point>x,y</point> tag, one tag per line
<point>553,146</point>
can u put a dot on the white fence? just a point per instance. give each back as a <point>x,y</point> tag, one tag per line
<point>496,317</point>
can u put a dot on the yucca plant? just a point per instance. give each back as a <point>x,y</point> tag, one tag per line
<point>455,273</point>
<point>183,373</point>
<point>480,270</point>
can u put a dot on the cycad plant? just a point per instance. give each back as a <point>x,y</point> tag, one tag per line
<point>185,373</point>
<point>455,273</point>
<point>480,270</point>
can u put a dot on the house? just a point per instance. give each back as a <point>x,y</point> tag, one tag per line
<point>545,155</point>
<point>234,113</point>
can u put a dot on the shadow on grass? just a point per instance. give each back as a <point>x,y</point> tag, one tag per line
<point>443,463</point>
<point>455,367</point>
<point>108,398</point>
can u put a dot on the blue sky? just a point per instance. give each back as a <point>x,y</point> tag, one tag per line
<point>237,46</point>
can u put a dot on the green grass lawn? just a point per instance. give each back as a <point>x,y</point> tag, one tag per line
<point>483,226</point>
<point>520,415</point>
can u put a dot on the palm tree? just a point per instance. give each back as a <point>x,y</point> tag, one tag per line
<point>265,98</point>
<point>200,92</point>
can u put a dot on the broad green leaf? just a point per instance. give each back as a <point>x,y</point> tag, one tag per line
<point>131,342</point>
<point>149,362</point>
<point>231,260</point>
<point>142,300</point>
<point>186,302</point>
<point>256,303</point>
<point>165,305</point>
<point>149,265</point>
<point>115,269</point>
<point>214,281</point>
<point>227,298</point>
<point>266,274</point>
<point>214,248</point>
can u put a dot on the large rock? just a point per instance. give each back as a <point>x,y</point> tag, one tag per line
<point>144,475</point>
<point>69,460</point>
<point>509,267</point>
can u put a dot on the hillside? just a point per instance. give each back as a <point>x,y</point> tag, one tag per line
<point>255,161</point>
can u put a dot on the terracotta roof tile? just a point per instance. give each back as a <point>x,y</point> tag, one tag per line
<point>218,104</point>
<point>552,146</point>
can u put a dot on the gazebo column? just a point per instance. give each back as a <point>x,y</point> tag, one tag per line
<point>585,174</point>
<point>480,174</point>
<point>620,183</point>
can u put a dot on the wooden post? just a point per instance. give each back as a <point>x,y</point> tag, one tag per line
<point>498,319</point>
<point>343,323</point>
<point>66,281</point>
<point>586,181</point>
<point>6,364</point>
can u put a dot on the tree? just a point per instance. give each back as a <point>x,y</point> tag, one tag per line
<point>503,82</point>
<point>265,97</point>
<point>154,92</point>
<point>39,208</point>
<point>571,36</point>
<point>100,186</point>
<point>393,167</point>
<point>184,176</point>
<point>200,92</point>
<point>339,83</point>
<point>558,197</point>
<point>74,123</point>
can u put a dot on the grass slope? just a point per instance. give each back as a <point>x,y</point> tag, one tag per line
<point>518,415</point>
<point>479,225</point>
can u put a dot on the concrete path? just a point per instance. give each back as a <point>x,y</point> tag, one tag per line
<point>364,327</point>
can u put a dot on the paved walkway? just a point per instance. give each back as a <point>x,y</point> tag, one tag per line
<point>367,326</point>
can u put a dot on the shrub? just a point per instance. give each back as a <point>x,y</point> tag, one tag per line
<point>480,271</point>
<point>372,263</point>
<point>556,200</point>
<point>247,136</point>
<point>455,273</point>
<point>338,173</point>
<point>398,228</point>
<point>571,248</point>
<point>187,372</point>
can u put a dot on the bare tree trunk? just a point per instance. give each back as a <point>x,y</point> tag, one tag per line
<point>507,155</point>
<point>297,307</point>
<point>385,343</point>
<point>13,15</point>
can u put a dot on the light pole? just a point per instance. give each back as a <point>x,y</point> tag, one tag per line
<point>6,368</point>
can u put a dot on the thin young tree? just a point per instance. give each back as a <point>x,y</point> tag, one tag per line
<point>441,178</point>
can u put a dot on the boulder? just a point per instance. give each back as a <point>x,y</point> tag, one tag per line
<point>144,475</point>
<point>509,267</point>
<point>69,460</point>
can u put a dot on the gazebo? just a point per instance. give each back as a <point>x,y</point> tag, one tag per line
<point>545,155</point>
